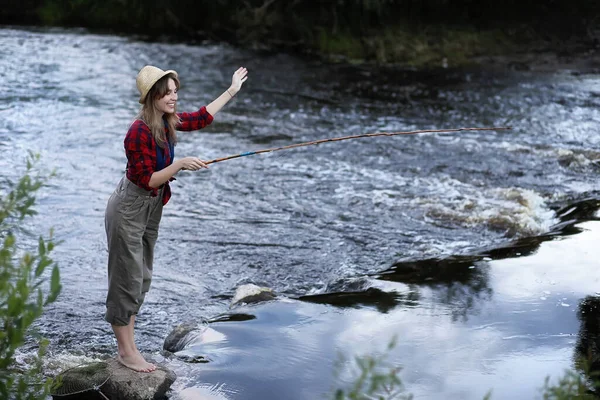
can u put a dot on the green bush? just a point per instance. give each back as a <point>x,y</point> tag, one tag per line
<point>25,289</point>
<point>580,383</point>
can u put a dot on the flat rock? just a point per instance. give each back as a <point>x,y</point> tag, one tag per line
<point>113,381</point>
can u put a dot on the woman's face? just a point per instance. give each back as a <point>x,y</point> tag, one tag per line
<point>166,104</point>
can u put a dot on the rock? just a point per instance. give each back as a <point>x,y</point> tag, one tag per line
<point>251,293</point>
<point>191,331</point>
<point>110,379</point>
<point>177,339</point>
<point>188,333</point>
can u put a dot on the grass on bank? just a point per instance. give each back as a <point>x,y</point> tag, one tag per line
<point>424,47</point>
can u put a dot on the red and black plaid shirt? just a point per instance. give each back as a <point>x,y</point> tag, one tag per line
<point>140,149</point>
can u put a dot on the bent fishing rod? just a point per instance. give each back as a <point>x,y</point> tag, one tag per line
<point>338,139</point>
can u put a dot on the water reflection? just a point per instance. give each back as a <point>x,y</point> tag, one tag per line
<point>460,282</point>
<point>372,297</point>
<point>587,349</point>
<point>514,337</point>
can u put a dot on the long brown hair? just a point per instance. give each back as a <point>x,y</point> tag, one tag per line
<point>154,118</point>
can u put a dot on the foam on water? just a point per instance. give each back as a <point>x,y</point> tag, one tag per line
<point>514,211</point>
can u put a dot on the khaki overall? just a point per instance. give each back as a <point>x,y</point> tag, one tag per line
<point>131,220</point>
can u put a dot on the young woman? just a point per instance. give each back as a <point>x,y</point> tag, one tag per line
<point>135,208</point>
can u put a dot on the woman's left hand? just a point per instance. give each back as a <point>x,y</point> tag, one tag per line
<point>238,78</point>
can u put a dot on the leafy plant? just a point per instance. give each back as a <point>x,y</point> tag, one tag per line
<point>582,383</point>
<point>25,289</point>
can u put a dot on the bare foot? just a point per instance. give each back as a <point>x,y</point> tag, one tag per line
<point>136,362</point>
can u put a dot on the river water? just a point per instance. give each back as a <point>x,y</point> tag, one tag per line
<point>477,250</point>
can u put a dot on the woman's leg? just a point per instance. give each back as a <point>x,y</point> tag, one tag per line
<point>129,355</point>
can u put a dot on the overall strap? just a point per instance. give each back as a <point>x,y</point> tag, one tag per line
<point>163,159</point>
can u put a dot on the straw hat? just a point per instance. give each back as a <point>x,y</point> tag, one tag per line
<point>147,77</point>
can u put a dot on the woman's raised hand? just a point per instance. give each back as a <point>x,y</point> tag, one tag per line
<point>238,78</point>
<point>191,164</point>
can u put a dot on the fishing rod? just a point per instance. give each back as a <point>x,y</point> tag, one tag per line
<point>338,139</point>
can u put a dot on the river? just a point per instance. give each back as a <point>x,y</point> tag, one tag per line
<point>475,249</point>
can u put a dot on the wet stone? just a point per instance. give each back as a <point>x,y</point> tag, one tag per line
<point>111,380</point>
<point>177,339</point>
<point>250,293</point>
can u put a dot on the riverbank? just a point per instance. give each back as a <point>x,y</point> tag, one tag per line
<point>439,46</point>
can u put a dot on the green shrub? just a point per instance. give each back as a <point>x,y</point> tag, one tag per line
<point>25,289</point>
<point>580,383</point>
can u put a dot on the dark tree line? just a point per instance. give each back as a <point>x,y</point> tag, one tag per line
<point>290,18</point>
<point>365,28</point>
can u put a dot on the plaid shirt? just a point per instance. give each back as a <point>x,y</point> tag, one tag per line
<point>140,149</point>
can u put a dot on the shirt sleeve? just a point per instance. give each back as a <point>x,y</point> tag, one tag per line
<point>195,120</point>
<point>141,154</point>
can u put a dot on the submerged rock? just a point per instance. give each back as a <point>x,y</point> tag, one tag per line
<point>110,379</point>
<point>178,337</point>
<point>187,333</point>
<point>251,293</point>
